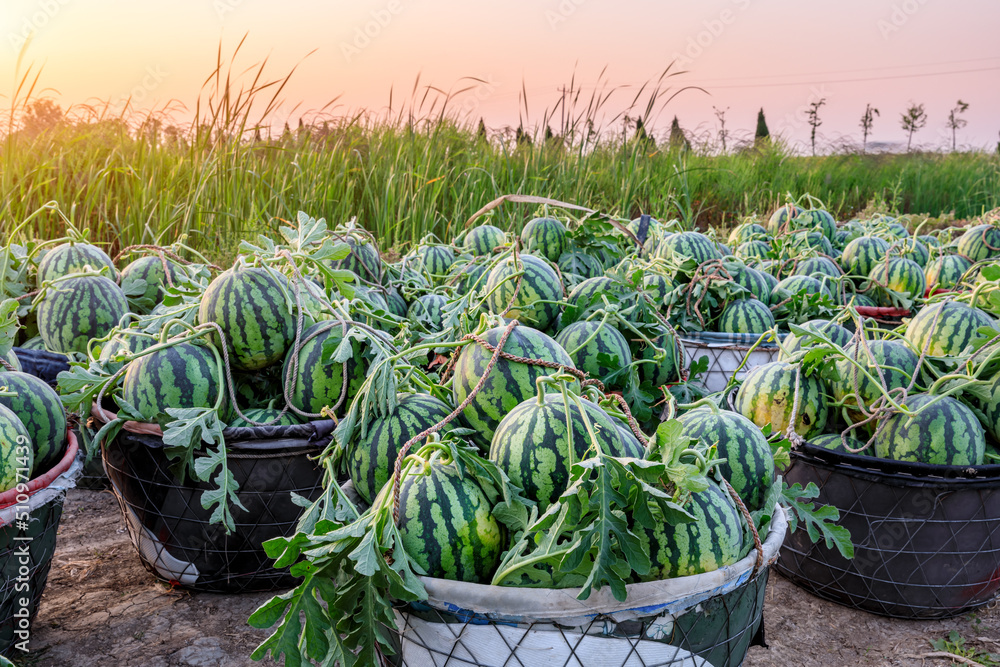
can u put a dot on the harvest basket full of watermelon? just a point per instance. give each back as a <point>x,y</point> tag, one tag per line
<point>507,439</point>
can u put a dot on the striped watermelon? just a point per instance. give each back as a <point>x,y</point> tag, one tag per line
<point>537,443</point>
<point>535,302</point>
<point>266,416</point>
<point>436,259</point>
<point>180,376</point>
<point>70,258</point>
<point>831,330</point>
<point>945,433</point>
<point>862,254</point>
<point>589,290</point>
<point>466,276</point>
<point>824,266</point>
<point>747,460</point>
<point>446,525</point>
<point>753,281</point>
<point>793,285</point>
<point>816,219</point>
<point>657,286</point>
<point>713,540</point>
<point>483,239</point>
<point>370,461</point>
<point>16,451</point>
<point>150,269</point>
<point>545,237</point>
<point>946,271</point>
<point>11,358</point>
<point>364,259</point>
<point>900,275</point>
<point>630,443</point>
<point>980,242</point>
<point>509,383</point>
<point>76,310</point>
<point>586,340</point>
<point>660,372</point>
<point>780,216</point>
<point>575,263</point>
<point>252,310</point>
<point>689,245</point>
<point>991,409</point>
<point>745,316</point>
<point>897,362</point>
<point>833,441</point>
<point>911,249</point>
<point>35,343</point>
<point>897,229</point>
<point>41,412</point>
<point>125,343</point>
<point>946,328</point>
<point>929,241</point>
<point>843,237</point>
<point>753,250</point>
<point>319,382</point>
<point>748,231</point>
<point>803,241</point>
<point>396,302</point>
<point>427,312</point>
<point>767,397</point>
<point>862,300</point>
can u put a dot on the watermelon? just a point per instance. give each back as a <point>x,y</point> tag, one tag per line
<point>483,239</point>
<point>396,302</point>
<point>657,286</point>
<point>946,271</point>
<point>816,219</point>
<point>689,245</point>
<point>446,524</point>
<point>900,275</point>
<point>183,375</point>
<point>821,265</point>
<point>16,451</point>
<point>588,292</point>
<point>802,241</point>
<point>436,259</point>
<point>911,249</point>
<point>713,540</point>
<point>585,341</point>
<point>836,333</point>
<point>630,443</point>
<point>580,264</point>
<point>35,343</point>
<point>862,254</point>
<point>746,316</point>
<point>535,302</point>
<point>150,269</point>
<point>427,312</point>
<point>991,409</point>
<point>751,250</point>
<point>792,285</point>
<point>835,442</point>
<point>862,300</point>
<point>364,259</point>
<point>69,258</point>
<point>125,343</point>
<point>545,237</point>
<point>253,312</point>
<point>660,372</point>
<point>76,310</point>
<point>509,383</point>
<point>843,237</point>
<point>780,216</point>
<point>946,328</point>
<point>753,281</point>
<point>371,460</point>
<point>318,383</point>
<point>747,460</point>
<point>897,362</point>
<point>748,231</point>
<point>41,412</point>
<point>929,241</point>
<point>898,230</point>
<point>12,361</point>
<point>767,397</point>
<point>266,416</point>
<point>537,443</point>
<point>978,243</point>
<point>944,433</point>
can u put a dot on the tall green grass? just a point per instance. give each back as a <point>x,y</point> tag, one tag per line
<point>132,179</point>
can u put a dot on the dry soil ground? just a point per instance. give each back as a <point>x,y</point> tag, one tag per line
<point>102,608</point>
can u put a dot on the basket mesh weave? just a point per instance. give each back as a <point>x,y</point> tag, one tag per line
<point>725,353</point>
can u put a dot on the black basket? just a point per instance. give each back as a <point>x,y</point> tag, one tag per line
<point>172,532</point>
<point>42,364</point>
<point>927,538</point>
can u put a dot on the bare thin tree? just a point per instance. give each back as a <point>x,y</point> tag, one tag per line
<point>867,121</point>
<point>813,118</point>
<point>720,114</point>
<point>955,122</point>
<point>913,120</point>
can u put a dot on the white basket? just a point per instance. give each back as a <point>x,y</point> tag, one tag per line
<point>475,624</point>
<point>726,353</point>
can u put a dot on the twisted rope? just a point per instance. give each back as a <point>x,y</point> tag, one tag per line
<point>758,546</point>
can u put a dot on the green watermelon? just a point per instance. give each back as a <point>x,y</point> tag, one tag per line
<point>545,237</point>
<point>753,281</point>
<point>793,285</point>
<point>767,397</point>
<point>657,286</point>
<point>12,360</point>
<point>834,442</point>
<point>816,219</point>
<point>900,275</point>
<point>466,276</point>
<point>821,265</point>
<point>945,433</point>
<point>630,443</point>
<point>396,302</point>
<point>862,300</point>
<point>929,241</point>
<point>589,291</point>
<point>36,343</point>
<point>660,372</point>
<point>318,382</point>
<point>746,316</point>
<point>689,245</point>
<point>536,302</point>
<point>371,460</point>
<point>753,250</point>
<point>180,376</point>
<point>580,264</point>
<point>483,239</point>
<point>713,540</point>
<point>911,249</point>
<point>991,409</point>
<point>980,242</point>
<point>586,340</point>
<point>364,259</point>
<point>836,333</point>
<point>150,269</point>
<point>16,451</point>
<point>427,312</point>
<point>946,328</point>
<point>748,231</point>
<point>946,271</point>
<point>70,258</point>
<point>436,259</point>
<point>509,383</point>
<point>843,237</point>
<point>862,254</point>
<point>266,416</point>
<point>780,216</point>
<point>76,310</point>
<point>446,524</point>
<point>41,412</point>
<point>897,362</point>
<point>537,443</point>
<point>747,460</point>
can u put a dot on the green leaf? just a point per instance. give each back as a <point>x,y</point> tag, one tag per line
<point>8,325</point>
<point>818,520</point>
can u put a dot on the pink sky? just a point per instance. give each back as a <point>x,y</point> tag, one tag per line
<point>776,54</point>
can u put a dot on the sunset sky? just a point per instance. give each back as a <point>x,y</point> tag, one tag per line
<point>776,54</point>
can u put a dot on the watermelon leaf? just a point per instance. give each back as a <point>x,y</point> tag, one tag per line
<point>227,488</point>
<point>8,325</point>
<point>818,520</point>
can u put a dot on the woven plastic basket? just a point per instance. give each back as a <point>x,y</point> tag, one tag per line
<point>726,353</point>
<point>927,538</point>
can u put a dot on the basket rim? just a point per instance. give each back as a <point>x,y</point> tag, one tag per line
<point>897,473</point>
<point>33,486</point>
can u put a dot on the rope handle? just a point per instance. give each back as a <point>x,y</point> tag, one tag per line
<point>757,544</point>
